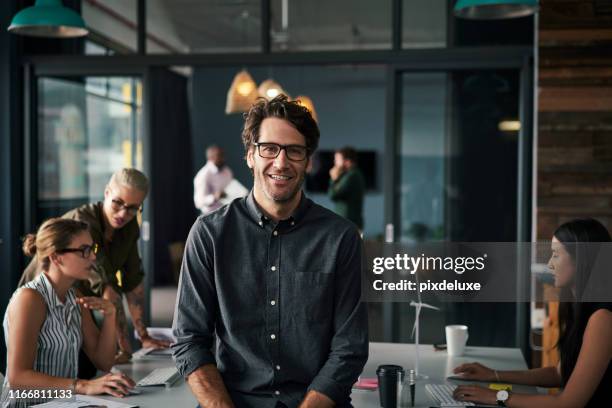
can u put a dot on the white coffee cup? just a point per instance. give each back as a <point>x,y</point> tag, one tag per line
<point>456,339</point>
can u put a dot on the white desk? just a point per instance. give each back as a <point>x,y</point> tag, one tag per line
<point>177,396</point>
<point>435,364</point>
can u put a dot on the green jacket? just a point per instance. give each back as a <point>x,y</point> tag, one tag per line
<point>347,193</point>
<point>121,255</point>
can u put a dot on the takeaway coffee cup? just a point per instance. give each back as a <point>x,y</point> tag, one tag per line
<point>388,377</point>
<point>456,338</point>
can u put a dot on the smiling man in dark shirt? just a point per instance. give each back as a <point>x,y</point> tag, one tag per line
<point>276,279</point>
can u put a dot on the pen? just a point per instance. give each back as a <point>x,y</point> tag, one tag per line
<point>412,387</point>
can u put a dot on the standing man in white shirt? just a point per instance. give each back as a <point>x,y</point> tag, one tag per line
<point>210,182</point>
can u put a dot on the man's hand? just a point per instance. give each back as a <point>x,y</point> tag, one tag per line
<point>219,195</point>
<point>335,172</point>
<point>315,399</point>
<point>150,342</point>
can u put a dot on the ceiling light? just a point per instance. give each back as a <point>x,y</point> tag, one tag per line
<point>48,18</point>
<point>307,103</point>
<point>509,125</point>
<point>495,9</point>
<point>241,94</point>
<point>270,89</point>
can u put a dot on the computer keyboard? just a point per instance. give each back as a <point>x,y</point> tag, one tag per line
<point>443,395</point>
<point>160,376</point>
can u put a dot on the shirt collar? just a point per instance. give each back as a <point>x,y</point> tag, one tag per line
<point>214,168</point>
<point>54,300</point>
<point>259,217</point>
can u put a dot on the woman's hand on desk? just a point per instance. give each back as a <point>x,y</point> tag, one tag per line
<point>115,384</point>
<point>475,371</point>
<point>475,393</point>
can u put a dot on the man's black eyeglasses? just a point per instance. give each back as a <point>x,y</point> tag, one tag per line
<point>272,150</point>
<point>84,250</point>
<point>119,205</point>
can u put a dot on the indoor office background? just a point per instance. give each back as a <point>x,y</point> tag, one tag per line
<point>446,108</point>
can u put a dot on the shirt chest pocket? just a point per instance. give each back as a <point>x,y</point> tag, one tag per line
<point>310,294</point>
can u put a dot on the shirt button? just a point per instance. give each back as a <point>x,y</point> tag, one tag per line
<point>273,336</point>
<point>275,233</point>
<point>292,222</point>
<point>277,392</point>
<point>273,268</point>
<point>273,302</point>
<point>260,223</point>
<point>277,368</point>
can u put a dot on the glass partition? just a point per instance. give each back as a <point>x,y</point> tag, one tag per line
<point>457,181</point>
<point>88,127</point>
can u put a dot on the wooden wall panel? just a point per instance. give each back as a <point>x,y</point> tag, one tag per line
<point>574,174</point>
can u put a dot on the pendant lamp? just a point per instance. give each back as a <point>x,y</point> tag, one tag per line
<point>307,103</point>
<point>270,89</point>
<point>495,9</point>
<point>48,18</point>
<point>242,93</point>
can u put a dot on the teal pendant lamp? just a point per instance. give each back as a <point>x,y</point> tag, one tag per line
<point>48,18</point>
<point>495,9</point>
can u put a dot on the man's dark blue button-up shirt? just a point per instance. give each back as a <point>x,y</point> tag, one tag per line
<point>282,299</point>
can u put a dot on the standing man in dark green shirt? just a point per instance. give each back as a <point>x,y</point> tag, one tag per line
<point>347,186</point>
<point>118,269</point>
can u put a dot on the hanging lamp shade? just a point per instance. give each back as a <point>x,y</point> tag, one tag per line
<point>270,89</point>
<point>242,93</point>
<point>307,103</point>
<point>48,18</point>
<point>495,9</point>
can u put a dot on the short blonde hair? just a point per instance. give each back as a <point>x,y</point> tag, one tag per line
<point>130,177</point>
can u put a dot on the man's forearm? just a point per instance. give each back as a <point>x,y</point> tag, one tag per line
<point>315,399</point>
<point>208,387</point>
<point>135,300</point>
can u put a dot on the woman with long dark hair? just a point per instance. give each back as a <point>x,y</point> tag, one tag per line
<point>585,338</point>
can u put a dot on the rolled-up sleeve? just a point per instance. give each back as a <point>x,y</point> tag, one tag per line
<point>349,346</point>
<point>196,304</point>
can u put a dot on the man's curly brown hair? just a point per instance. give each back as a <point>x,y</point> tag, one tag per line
<point>280,107</point>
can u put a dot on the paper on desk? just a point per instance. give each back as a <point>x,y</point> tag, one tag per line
<point>160,352</point>
<point>159,333</point>
<point>82,401</point>
<point>233,190</point>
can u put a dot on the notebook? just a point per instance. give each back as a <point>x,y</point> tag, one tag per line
<point>82,401</point>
